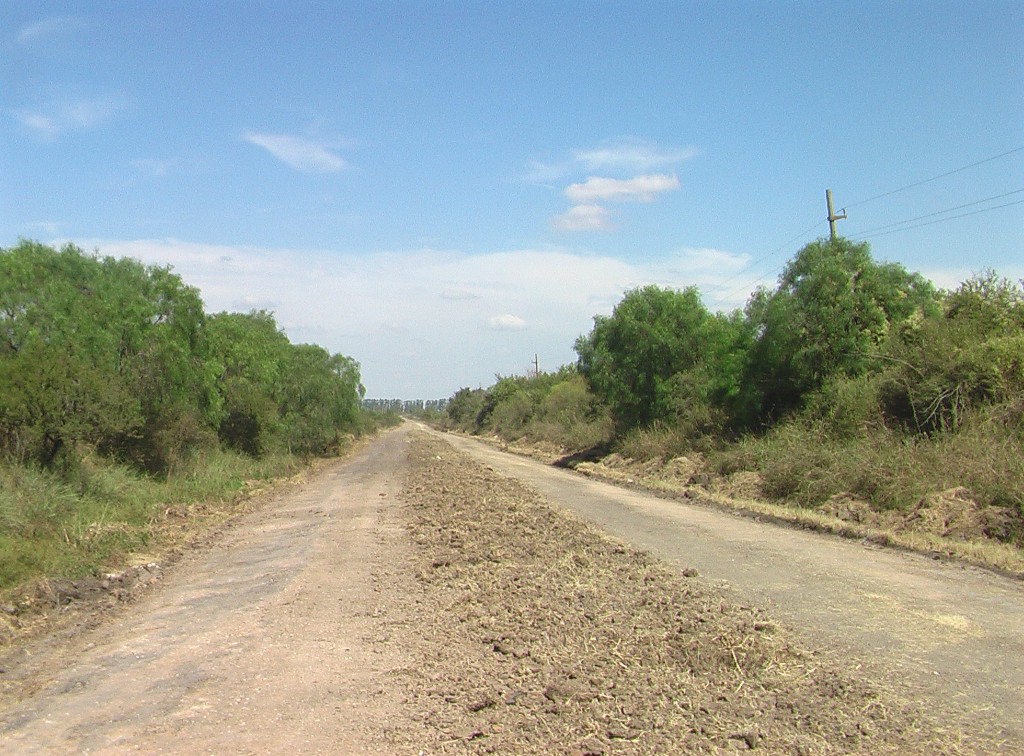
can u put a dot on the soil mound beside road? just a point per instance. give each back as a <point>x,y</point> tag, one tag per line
<point>539,634</point>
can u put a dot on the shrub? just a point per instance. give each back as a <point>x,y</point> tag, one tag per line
<point>659,441</point>
<point>847,407</point>
<point>464,408</point>
<point>570,415</point>
<point>510,416</point>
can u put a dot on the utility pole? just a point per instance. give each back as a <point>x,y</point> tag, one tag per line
<point>832,217</point>
<point>536,365</point>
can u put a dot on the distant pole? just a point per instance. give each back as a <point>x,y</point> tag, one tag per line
<point>832,217</point>
<point>536,365</point>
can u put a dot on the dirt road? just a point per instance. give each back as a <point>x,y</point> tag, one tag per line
<point>264,644</point>
<point>410,600</point>
<point>946,634</point>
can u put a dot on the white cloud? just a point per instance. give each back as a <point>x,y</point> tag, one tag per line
<point>723,278</point>
<point>622,156</point>
<point>506,323</point>
<point>50,228</point>
<point>707,263</point>
<point>48,27</point>
<point>582,218</point>
<point>626,155</point>
<point>456,295</point>
<point>51,121</point>
<point>43,125</point>
<point>632,155</point>
<point>302,154</point>
<point>425,322</point>
<point>154,167</point>
<point>638,189</point>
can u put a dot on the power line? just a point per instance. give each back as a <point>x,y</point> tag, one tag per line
<point>756,262</point>
<point>952,217</point>
<point>935,178</point>
<point>727,295</point>
<point>863,234</point>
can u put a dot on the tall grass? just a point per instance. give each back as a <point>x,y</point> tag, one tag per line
<point>805,464</point>
<point>92,518</point>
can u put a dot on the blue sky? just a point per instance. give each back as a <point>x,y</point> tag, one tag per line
<point>442,190</point>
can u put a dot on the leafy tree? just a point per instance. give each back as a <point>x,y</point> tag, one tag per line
<point>831,315</point>
<point>59,378</point>
<point>508,396</point>
<point>465,406</point>
<point>991,305</point>
<point>249,352</point>
<point>349,391</point>
<point>319,398</point>
<point>51,398</point>
<point>970,356</point>
<point>121,356</point>
<point>276,394</point>
<point>159,333</point>
<point>704,399</point>
<point>578,419</point>
<point>118,349</point>
<point>652,335</point>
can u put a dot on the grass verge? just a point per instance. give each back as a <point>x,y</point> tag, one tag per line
<point>103,516</point>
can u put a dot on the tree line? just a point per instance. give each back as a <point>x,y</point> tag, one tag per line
<point>110,355</point>
<point>844,350</point>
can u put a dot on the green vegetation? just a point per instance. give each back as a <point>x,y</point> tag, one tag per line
<point>554,408</point>
<point>120,398</point>
<point>54,524</point>
<point>851,378</point>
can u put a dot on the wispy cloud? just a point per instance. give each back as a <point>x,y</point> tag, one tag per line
<point>626,155</point>
<point>637,189</point>
<point>540,172</point>
<point>301,153</point>
<point>632,155</point>
<point>51,121</point>
<point>582,218</point>
<point>459,295</point>
<point>50,228</point>
<point>624,166</point>
<point>506,323</point>
<point>154,167</point>
<point>48,28</point>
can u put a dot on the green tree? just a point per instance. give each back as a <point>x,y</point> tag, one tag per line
<point>831,315</point>
<point>320,396</point>
<point>465,406</point>
<point>506,406</point>
<point>972,355</point>
<point>59,382</point>
<point>569,414</point>
<point>250,353</point>
<point>630,357</point>
<point>121,356</point>
<point>159,334</point>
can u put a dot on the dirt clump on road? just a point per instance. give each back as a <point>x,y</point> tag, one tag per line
<point>538,634</point>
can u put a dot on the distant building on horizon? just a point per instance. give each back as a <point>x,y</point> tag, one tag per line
<point>405,406</point>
